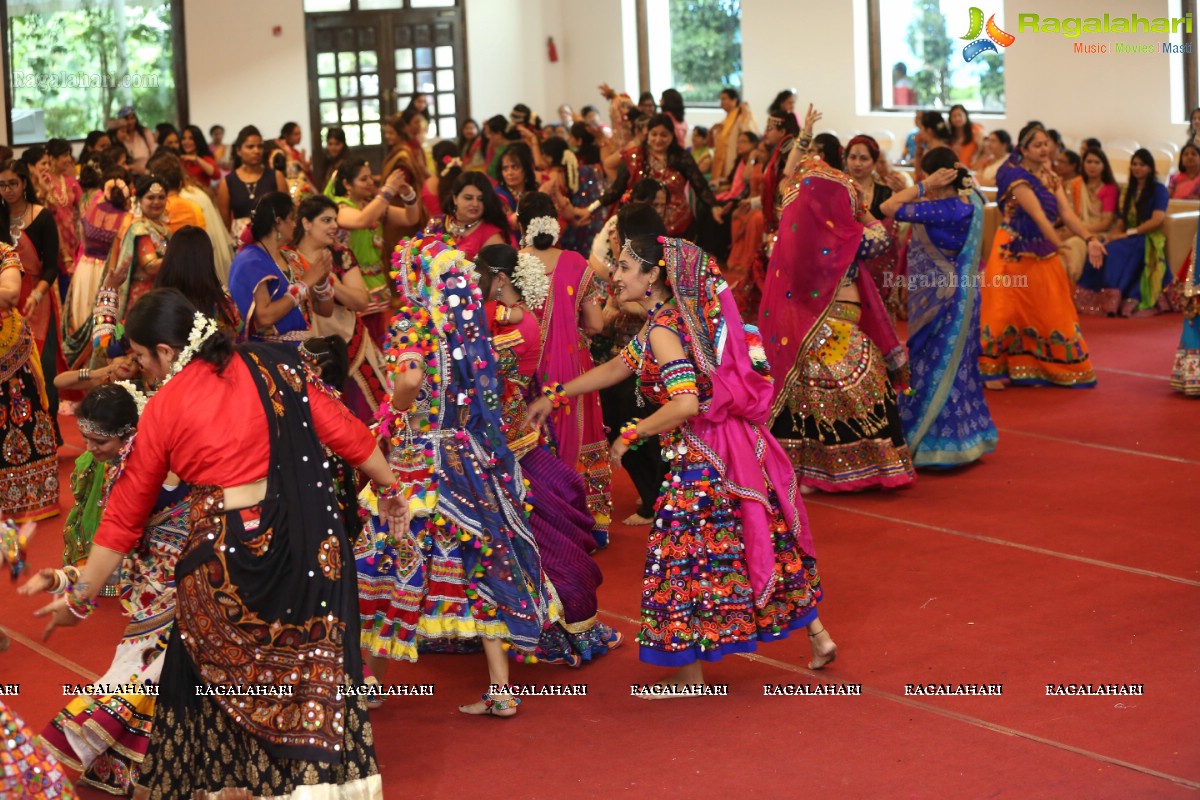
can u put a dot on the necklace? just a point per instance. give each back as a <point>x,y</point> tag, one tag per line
<point>645,333</point>
<point>17,226</point>
<point>251,188</point>
<point>458,230</point>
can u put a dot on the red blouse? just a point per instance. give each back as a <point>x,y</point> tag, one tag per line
<point>211,430</point>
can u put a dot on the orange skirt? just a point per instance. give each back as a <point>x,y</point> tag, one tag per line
<point>1028,323</point>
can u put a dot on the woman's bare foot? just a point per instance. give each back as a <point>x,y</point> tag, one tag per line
<point>637,519</point>
<point>676,685</point>
<point>995,386</point>
<point>823,647</point>
<point>494,705</point>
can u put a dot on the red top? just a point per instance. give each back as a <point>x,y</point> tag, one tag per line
<point>221,440</point>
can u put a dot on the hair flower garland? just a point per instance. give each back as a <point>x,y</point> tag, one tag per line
<point>139,397</point>
<point>202,328</point>
<point>539,225</point>
<point>531,280</point>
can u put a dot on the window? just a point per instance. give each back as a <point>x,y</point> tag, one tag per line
<point>72,66</point>
<point>917,56</point>
<point>706,48</point>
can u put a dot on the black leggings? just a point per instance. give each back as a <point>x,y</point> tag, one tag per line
<point>645,464</point>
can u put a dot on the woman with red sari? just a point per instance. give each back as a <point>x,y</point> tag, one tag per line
<point>315,240</point>
<point>571,314</point>
<point>35,237</point>
<point>662,159</point>
<point>830,341</point>
<point>476,218</point>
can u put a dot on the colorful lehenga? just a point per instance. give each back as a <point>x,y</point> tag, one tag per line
<point>265,596</point>
<point>946,419</point>
<point>1135,270</point>
<point>468,567</point>
<point>105,737</point>
<point>29,451</point>
<point>835,408</point>
<point>1185,374</point>
<point>730,560</point>
<point>139,237</point>
<point>560,520</point>
<point>565,355</point>
<point>27,770</point>
<point>1029,326</point>
<point>102,222</point>
<point>367,246</point>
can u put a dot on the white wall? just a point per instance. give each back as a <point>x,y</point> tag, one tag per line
<point>821,53</point>
<point>239,73</point>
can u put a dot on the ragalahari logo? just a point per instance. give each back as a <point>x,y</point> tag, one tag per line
<point>995,36</point>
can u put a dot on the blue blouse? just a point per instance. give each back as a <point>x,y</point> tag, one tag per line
<point>947,221</point>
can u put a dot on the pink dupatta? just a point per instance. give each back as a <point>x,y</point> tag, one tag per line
<point>732,426</point>
<point>818,242</point>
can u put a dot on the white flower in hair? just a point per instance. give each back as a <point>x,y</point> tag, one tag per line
<point>202,328</point>
<point>531,280</point>
<point>139,398</point>
<point>540,225</point>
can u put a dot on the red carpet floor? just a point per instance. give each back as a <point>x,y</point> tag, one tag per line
<point>1070,555</point>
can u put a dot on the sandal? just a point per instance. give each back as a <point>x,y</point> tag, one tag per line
<point>493,707</point>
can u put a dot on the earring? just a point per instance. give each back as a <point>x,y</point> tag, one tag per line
<point>649,290</point>
<point>499,291</point>
<point>278,236</point>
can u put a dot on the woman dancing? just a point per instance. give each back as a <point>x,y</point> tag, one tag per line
<point>263,540</point>
<point>828,335</point>
<point>468,568</point>
<point>946,419</point>
<point>570,315</point>
<point>730,560</point>
<point>105,736</point>
<point>1029,325</point>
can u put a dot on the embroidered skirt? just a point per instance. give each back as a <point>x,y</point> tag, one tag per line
<point>1185,376</point>
<point>28,443</point>
<point>697,601</point>
<point>841,428</point>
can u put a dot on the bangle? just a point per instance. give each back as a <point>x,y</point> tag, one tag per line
<point>387,194</point>
<point>85,374</point>
<point>556,393</point>
<point>920,189</point>
<point>629,434</point>
<point>410,198</point>
<point>502,314</point>
<point>297,291</point>
<point>80,606</point>
<point>396,489</point>
<point>60,582</point>
<point>593,206</point>
<point>323,290</point>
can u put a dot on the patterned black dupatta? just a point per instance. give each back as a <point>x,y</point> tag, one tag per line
<point>267,604</point>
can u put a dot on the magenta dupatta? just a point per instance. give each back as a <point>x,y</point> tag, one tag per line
<point>733,425</point>
<point>818,242</point>
<point>565,356</point>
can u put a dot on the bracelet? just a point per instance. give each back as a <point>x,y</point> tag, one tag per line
<point>387,194</point>
<point>502,314</point>
<point>920,189</point>
<point>85,374</point>
<point>593,206</point>
<point>60,583</point>
<point>629,434</point>
<point>80,606</point>
<point>395,490</point>
<point>297,291</point>
<point>323,290</point>
<point>556,393</point>
<point>410,198</point>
